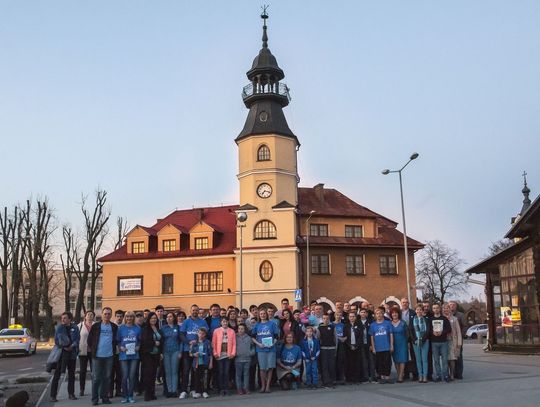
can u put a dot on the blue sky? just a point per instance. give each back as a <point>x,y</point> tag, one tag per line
<point>143,99</point>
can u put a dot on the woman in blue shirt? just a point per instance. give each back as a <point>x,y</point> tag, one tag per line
<point>264,334</point>
<point>382,344</point>
<point>128,339</point>
<point>289,363</point>
<point>401,342</point>
<point>171,353</point>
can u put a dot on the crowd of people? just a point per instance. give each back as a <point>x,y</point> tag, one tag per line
<point>256,349</point>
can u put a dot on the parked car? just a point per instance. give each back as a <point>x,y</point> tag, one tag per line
<point>477,330</point>
<point>17,339</point>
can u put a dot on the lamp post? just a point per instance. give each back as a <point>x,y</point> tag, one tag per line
<point>413,156</point>
<point>241,217</point>
<point>308,260</point>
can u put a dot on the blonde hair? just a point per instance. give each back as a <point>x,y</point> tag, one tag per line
<point>129,314</point>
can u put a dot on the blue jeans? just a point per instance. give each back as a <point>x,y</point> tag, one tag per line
<point>312,373</point>
<point>170,365</point>
<point>242,375</point>
<point>129,372</point>
<point>223,366</point>
<point>440,358</point>
<point>101,377</point>
<point>421,354</point>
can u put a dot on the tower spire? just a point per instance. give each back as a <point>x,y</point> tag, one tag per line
<point>525,191</point>
<point>264,17</point>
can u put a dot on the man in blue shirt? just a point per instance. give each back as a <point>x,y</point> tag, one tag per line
<point>67,337</point>
<point>102,344</point>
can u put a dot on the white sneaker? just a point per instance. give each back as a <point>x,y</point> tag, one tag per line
<point>183,395</point>
<point>192,393</point>
<point>205,395</point>
<point>197,396</point>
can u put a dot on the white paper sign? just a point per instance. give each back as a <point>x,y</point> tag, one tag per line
<point>128,284</point>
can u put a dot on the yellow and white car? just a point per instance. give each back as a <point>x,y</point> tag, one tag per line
<point>16,339</point>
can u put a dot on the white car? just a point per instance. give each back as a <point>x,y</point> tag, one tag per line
<point>17,340</point>
<point>477,330</point>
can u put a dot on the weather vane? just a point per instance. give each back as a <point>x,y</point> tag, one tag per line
<point>525,177</point>
<point>264,14</point>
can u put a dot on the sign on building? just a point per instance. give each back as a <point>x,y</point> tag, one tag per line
<point>129,284</point>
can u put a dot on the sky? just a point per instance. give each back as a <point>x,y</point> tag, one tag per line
<point>143,99</point>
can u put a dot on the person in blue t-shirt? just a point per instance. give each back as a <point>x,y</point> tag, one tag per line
<point>172,345</point>
<point>341,338</point>
<point>265,334</point>
<point>190,330</point>
<point>311,349</point>
<point>382,344</point>
<point>128,339</point>
<point>289,364</point>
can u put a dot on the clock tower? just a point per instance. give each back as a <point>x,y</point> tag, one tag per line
<point>268,177</point>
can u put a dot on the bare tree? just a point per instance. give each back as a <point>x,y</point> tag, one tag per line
<point>439,270</point>
<point>95,224</point>
<point>499,246</point>
<point>122,228</point>
<point>71,263</point>
<point>6,250</point>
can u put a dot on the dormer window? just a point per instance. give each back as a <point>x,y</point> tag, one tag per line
<point>201,243</point>
<point>137,247</point>
<point>169,245</point>
<point>263,153</point>
<point>353,231</point>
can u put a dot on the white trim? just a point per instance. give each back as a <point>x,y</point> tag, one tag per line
<point>166,296</point>
<point>391,298</point>
<point>254,136</point>
<point>328,301</point>
<point>284,209</point>
<point>266,250</point>
<point>266,171</point>
<point>218,256</point>
<point>358,298</point>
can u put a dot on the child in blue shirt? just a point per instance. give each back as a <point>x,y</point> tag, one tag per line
<point>311,350</point>
<point>201,352</point>
<point>382,344</point>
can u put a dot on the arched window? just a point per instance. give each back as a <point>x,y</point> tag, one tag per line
<point>263,153</point>
<point>266,271</point>
<point>265,230</point>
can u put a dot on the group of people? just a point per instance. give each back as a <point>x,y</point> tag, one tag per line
<point>195,355</point>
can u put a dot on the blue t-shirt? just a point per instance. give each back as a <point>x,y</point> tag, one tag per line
<point>190,329</point>
<point>289,357</point>
<point>381,335</point>
<point>263,330</point>
<point>105,344</point>
<point>215,323</point>
<point>128,337</point>
<point>171,338</point>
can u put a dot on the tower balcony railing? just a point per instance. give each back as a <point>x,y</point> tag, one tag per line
<point>279,89</point>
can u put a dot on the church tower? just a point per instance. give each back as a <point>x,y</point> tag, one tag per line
<point>268,177</point>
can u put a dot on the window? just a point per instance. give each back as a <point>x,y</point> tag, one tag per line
<point>72,302</point>
<point>98,302</point>
<point>201,243</point>
<point>167,282</point>
<point>387,264</point>
<point>318,230</point>
<point>209,282</point>
<point>266,271</point>
<point>320,264</point>
<point>169,245</point>
<point>265,230</point>
<point>137,247</point>
<point>99,283</point>
<point>355,265</point>
<point>354,231</point>
<point>129,285</point>
<point>263,153</point>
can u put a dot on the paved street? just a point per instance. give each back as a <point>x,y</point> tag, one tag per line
<point>490,380</point>
<point>13,366</point>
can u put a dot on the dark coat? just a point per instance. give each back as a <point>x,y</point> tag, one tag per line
<point>358,334</point>
<point>95,332</point>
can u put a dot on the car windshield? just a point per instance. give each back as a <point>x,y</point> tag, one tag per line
<point>12,332</point>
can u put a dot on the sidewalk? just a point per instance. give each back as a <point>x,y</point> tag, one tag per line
<point>490,379</point>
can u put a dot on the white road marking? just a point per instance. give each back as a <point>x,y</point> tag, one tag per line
<point>26,368</point>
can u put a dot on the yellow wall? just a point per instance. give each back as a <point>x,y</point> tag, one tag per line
<point>336,226</point>
<point>201,230</point>
<point>183,294</point>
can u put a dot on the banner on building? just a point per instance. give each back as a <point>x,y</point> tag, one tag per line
<point>130,284</point>
<point>510,316</point>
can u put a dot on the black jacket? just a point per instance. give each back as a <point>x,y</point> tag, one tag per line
<point>446,329</point>
<point>327,336</point>
<point>147,340</point>
<point>358,334</point>
<point>296,330</point>
<point>95,332</point>
<point>412,332</point>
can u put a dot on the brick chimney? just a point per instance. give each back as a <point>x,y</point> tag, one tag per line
<point>319,191</point>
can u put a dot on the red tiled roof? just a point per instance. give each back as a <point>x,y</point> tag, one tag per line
<point>331,202</point>
<point>388,237</point>
<point>222,218</point>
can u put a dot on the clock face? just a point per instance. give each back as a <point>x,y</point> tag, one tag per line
<point>264,190</point>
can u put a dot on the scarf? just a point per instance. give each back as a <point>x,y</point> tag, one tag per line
<point>420,327</point>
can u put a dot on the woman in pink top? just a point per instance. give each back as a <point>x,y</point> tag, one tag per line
<point>224,348</point>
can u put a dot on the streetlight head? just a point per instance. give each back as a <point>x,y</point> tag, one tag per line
<point>385,172</point>
<point>241,216</point>
<point>414,156</point>
<point>311,212</point>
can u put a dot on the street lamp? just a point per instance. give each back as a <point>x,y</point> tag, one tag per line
<point>308,260</point>
<point>241,217</point>
<point>413,156</point>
